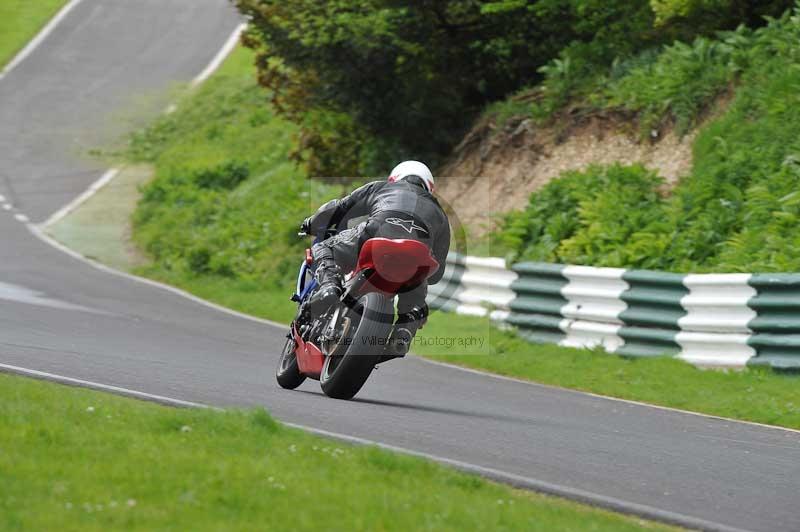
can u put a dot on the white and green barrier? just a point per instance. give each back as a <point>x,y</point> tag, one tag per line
<point>725,320</point>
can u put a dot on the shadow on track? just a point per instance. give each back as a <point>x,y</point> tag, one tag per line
<point>429,408</point>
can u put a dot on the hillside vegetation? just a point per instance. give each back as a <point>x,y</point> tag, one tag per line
<point>737,210</point>
<point>226,201</point>
<point>368,83</point>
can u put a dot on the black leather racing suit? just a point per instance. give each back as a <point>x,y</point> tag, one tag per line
<point>403,209</point>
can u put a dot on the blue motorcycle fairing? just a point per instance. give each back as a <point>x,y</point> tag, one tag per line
<point>302,291</point>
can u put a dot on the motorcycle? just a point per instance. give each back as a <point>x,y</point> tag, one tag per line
<point>342,346</point>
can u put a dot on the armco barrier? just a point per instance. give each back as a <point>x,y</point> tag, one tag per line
<point>776,325</point>
<point>726,320</point>
<point>535,310</point>
<point>653,309</point>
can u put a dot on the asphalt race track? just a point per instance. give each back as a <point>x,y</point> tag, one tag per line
<point>62,316</point>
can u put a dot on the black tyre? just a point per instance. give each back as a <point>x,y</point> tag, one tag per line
<point>344,374</point>
<point>288,374</point>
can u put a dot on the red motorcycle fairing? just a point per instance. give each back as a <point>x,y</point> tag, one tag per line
<point>395,263</point>
<point>309,357</point>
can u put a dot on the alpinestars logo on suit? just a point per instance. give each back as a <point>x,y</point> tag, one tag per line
<point>408,225</point>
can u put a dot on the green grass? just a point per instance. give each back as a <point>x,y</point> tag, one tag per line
<point>20,20</point>
<point>220,216</point>
<point>758,395</point>
<point>226,200</point>
<point>74,459</point>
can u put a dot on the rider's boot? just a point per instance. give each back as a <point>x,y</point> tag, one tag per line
<point>405,328</point>
<point>399,342</point>
<point>329,277</point>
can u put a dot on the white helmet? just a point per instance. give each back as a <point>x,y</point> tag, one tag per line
<point>412,168</point>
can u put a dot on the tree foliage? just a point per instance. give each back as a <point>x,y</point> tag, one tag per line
<point>406,78</point>
<point>721,12</point>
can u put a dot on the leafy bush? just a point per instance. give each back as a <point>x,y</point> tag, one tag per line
<point>738,210</point>
<point>677,85</point>
<point>719,12</point>
<point>225,176</point>
<point>673,83</point>
<point>670,72</point>
<point>585,216</point>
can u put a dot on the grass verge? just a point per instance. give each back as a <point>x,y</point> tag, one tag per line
<point>101,228</point>
<point>20,20</point>
<point>756,394</point>
<point>225,200</point>
<point>74,459</point>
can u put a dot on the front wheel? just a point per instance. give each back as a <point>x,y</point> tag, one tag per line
<point>288,373</point>
<point>343,374</point>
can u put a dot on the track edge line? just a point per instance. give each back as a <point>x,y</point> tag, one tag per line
<point>47,239</point>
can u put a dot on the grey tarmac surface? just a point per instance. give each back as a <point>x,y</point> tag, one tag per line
<point>62,316</point>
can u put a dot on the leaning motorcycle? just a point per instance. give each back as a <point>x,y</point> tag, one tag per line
<point>341,346</point>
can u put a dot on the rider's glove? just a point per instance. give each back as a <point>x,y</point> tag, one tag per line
<point>305,227</point>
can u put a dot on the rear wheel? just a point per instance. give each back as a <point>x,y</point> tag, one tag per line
<point>288,373</point>
<point>348,367</point>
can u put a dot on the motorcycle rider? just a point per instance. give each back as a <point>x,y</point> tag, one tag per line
<point>402,207</point>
